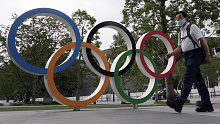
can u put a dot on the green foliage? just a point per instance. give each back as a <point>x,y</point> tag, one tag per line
<point>36,40</point>
<point>211,72</point>
<point>143,16</point>
<point>178,73</point>
<point>213,42</point>
<point>187,101</point>
<point>84,22</point>
<point>164,102</point>
<point>160,102</point>
<point>134,77</point>
<point>36,103</point>
<point>17,104</point>
<point>11,82</point>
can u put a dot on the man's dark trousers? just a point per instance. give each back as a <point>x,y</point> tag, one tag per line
<point>192,75</point>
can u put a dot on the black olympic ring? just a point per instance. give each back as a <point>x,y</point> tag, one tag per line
<point>116,26</point>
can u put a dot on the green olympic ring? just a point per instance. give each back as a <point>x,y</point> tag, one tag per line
<point>120,93</point>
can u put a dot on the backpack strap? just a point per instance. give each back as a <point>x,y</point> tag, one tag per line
<point>194,43</point>
<point>188,35</point>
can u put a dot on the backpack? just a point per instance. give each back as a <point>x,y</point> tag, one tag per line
<point>194,43</point>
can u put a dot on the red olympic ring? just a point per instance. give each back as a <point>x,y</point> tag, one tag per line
<point>171,65</point>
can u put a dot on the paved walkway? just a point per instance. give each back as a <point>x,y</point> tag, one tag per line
<point>142,115</point>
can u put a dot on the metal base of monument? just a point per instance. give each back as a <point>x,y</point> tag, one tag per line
<point>76,109</point>
<point>135,106</point>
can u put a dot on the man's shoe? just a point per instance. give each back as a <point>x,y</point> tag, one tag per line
<point>175,105</point>
<point>204,108</point>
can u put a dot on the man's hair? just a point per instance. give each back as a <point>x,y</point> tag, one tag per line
<point>184,14</point>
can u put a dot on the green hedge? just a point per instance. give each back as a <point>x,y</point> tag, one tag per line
<point>187,101</point>
<point>164,102</point>
<point>36,103</point>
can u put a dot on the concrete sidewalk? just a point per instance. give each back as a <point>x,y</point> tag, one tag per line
<point>142,115</point>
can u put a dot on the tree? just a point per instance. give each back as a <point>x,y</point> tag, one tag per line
<point>84,22</point>
<point>41,36</point>
<point>211,72</point>
<point>134,77</point>
<point>178,74</point>
<point>7,85</point>
<point>4,58</point>
<point>36,39</point>
<point>147,15</point>
<point>205,69</point>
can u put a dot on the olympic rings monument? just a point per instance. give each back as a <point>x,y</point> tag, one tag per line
<point>134,53</point>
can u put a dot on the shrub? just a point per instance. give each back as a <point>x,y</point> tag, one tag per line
<point>187,101</point>
<point>36,103</point>
<point>17,104</point>
<point>51,103</point>
<point>160,102</point>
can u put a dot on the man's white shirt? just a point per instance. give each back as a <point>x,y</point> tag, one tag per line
<point>186,44</point>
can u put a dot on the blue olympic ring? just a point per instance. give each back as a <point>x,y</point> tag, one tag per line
<point>19,61</point>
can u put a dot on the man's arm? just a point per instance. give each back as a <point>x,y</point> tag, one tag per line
<point>175,52</point>
<point>206,48</point>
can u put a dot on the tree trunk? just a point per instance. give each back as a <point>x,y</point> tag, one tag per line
<point>156,95</point>
<point>7,99</point>
<point>169,88</point>
<point>34,89</point>
<point>78,93</point>
<point>163,17</point>
<point>27,97</point>
<point>78,89</point>
<point>168,80</point>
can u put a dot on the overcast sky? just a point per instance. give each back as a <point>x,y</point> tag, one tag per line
<point>102,10</point>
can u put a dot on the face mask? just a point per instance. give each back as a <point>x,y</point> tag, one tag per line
<point>181,22</point>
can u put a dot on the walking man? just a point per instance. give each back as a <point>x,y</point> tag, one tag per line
<point>193,60</point>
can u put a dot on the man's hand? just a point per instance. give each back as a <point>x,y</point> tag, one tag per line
<point>176,51</point>
<point>168,55</point>
<point>208,60</point>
